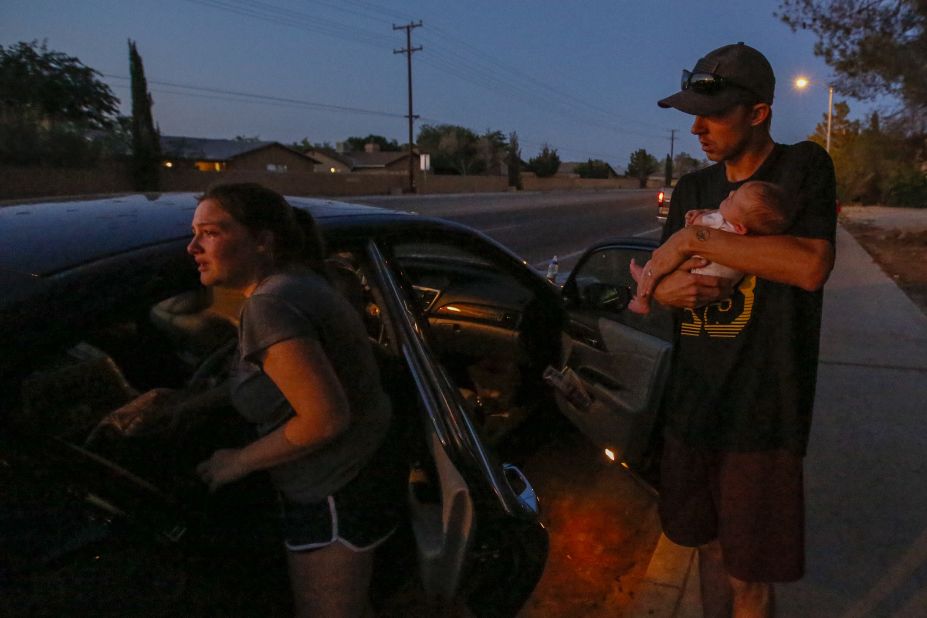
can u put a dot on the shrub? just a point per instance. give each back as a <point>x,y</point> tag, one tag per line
<point>908,189</point>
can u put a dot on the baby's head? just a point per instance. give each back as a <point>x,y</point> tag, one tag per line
<point>757,207</point>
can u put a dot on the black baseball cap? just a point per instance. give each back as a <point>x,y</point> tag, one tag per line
<point>724,77</point>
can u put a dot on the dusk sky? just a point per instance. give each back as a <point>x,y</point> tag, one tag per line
<point>582,76</point>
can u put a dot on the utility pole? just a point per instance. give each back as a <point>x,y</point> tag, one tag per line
<point>671,162</point>
<point>408,51</point>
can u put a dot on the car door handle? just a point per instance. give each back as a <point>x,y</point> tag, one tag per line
<point>526,494</point>
<point>584,334</point>
<point>597,378</point>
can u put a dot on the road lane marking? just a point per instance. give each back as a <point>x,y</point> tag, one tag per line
<point>560,259</point>
<point>650,231</point>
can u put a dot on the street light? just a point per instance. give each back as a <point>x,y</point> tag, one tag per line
<point>803,82</point>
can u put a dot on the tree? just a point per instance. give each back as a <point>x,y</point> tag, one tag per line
<point>842,131</point>
<point>357,144</point>
<point>50,103</point>
<point>453,148</point>
<point>48,87</point>
<point>875,162</point>
<point>593,168</point>
<point>491,148</point>
<point>513,161</point>
<point>146,141</point>
<point>546,163</point>
<point>684,163</point>
<point>642,165</point>
<point>116,141</point>
<point>874,46</point>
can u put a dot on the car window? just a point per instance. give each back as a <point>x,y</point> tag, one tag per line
<point>438,251</point>
<point>489,329</point>
<point>348,274</point>
<point>605,276</point>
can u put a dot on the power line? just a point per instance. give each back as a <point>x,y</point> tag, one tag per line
<point>202,92</point>
<point>249,96</point>
<point>482,74</point>
<point>518,74</point>
<point>301,21</point>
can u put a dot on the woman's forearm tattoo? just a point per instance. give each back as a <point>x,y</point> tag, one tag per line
<point>703,233</point>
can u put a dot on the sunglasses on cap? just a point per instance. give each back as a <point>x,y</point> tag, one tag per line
<point>705,83</point>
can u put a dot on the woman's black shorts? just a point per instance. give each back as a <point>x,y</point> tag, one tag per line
<point>361,515</point>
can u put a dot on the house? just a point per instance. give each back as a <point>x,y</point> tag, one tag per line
<point>568,168</point>
<point>371,161</point>
<point>218,155</point>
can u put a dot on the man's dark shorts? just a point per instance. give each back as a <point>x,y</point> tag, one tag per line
<point>753,503</point>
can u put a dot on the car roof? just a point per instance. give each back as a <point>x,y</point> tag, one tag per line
<point>40,239</point>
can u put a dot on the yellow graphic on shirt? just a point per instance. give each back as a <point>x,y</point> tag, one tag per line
<point>723,319</point>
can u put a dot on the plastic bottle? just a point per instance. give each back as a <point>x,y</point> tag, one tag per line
<point>552,269</point>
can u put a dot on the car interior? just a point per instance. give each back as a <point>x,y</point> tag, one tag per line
<point>491,333</point>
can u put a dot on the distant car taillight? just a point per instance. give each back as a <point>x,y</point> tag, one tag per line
<point>660,197</point>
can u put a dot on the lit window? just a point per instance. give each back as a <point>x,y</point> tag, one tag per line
<point>168,164</point>
<point>276,167</point>
<point>210,166</point>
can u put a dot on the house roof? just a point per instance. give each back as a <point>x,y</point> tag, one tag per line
<point>330,153</point>
<point>375,159</point>
<point>363,160</point>
<point>205,149</point>
<point>569,167</point>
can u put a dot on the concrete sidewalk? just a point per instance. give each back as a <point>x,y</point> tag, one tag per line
<point>866,476</point>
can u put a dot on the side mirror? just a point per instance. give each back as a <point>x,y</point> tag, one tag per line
<point>605,296</point>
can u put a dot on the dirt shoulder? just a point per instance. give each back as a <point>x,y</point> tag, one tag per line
<point>896,238</point>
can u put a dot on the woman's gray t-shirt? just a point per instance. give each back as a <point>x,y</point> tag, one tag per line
<point>288,306</point>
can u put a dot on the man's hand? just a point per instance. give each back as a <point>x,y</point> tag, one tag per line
<point>685,290</point>
<point>692,215</point>
<point>665,259</point>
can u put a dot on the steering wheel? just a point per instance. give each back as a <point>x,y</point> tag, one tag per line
<point>215,367</point>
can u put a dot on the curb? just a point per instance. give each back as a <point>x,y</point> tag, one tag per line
<point>670,588</point>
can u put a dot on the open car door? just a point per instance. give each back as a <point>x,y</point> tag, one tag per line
<point>478,537</point>
<point>614,363</point>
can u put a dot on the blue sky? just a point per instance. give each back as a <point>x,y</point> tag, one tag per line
<point>583,76</point>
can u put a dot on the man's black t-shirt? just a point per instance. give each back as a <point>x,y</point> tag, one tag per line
<point>744,369</point>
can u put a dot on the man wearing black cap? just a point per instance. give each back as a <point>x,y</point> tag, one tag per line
<point>738,408</point>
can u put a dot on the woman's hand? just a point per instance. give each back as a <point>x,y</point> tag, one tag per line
<point>222,468</point>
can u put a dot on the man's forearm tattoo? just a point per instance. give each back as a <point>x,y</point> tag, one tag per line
<point>703,233</point>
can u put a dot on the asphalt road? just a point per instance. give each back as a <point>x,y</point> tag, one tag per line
<point>538,226</point>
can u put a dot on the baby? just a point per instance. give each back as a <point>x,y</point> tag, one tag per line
<point>756,207</point>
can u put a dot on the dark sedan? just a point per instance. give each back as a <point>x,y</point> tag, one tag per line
<point>112,354</point>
